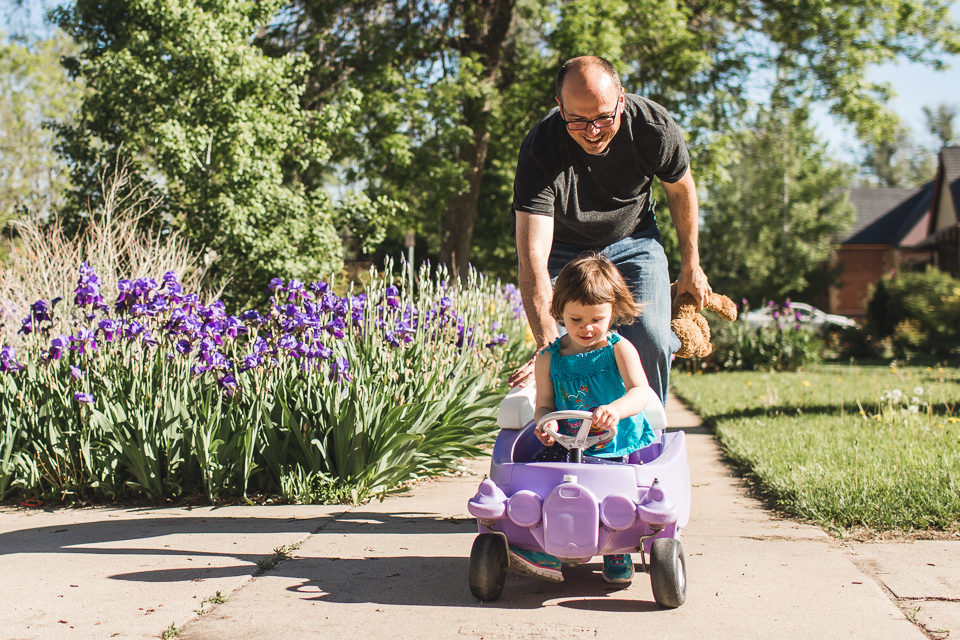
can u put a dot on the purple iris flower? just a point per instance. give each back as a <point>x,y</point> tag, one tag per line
<point>40,311</point>
<point>339,369</point>
<point>251,316</point>
<point>228,383</point>
<point>140,309</point>
<point>329,302</point>
<point>133,329</point>
<point>295,291</point>
<point>147,340</point>
<point>215,311</point>
<point>391,294</point>
<point>276,284</point>
<point>87,295</point>
<point>322,351</point>
<point>189,302</point>
<point>319,288</point>
<point>497,340</point>
<point>57,345</point>
<point>158,304</point>
<point>27,327</point>
<point>84,398</point>
<point>335,327</point>
<point>291,345</point>
<point>84,339</point>
<point>233,327</point>
<point>75,373</point>
<point>8,360</point>
<point>261,346</point>
<point>183,347</point>
<point>171,284</point>
<point>251,361</point>
<point>109,329</point>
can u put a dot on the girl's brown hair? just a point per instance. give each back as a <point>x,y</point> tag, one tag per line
<point>592,279</point>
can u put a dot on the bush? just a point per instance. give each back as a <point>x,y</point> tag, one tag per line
<point>161,395</point>
<point>782,346</point>
<point>917,311</point>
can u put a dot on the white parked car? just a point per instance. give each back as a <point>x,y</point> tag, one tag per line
<point>796,311</point>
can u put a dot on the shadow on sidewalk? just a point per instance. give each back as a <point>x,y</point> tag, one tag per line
<point>442,581</point>
<point>73,538</point>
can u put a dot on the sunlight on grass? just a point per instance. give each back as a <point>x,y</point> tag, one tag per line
<point>848,447</point>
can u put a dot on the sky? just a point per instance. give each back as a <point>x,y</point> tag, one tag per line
<point>916,86</point>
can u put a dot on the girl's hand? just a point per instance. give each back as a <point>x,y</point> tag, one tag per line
<point>606,417</point>
<point>545,438</point>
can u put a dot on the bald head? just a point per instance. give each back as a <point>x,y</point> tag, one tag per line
<point>591,74</point>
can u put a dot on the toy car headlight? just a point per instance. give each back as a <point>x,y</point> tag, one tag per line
<point>618,512</point>
<point>524,508</point>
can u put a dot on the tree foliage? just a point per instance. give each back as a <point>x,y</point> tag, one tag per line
<point>771,224</point>
<point>445,91</point>
<point>34,92</point>
<point>214,124</point>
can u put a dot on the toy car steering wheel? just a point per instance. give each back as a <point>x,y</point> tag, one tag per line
<point>583,439</point>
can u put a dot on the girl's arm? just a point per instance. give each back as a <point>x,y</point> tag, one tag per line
<point>637,394</point>
<point>545,400</point>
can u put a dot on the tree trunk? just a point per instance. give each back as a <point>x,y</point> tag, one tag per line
<point>485,27</point>
<point>461,213</point>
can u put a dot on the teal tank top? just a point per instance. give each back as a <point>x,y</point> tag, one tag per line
<point>585,381</point>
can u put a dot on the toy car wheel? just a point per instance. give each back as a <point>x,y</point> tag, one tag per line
<point>668,573</point>
<point>488,567</point>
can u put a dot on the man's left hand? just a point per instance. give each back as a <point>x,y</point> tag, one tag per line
<point>694,282</point>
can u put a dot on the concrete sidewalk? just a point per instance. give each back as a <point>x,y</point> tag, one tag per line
<point>398,569</point>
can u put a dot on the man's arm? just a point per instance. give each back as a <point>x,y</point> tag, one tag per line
<point>534,241</point>
<point>685,212</point>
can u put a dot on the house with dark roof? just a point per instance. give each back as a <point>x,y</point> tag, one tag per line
<point>898,229</point>
<point>943,236</point>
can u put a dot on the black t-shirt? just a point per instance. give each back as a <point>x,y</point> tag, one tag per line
<point>598,199</point>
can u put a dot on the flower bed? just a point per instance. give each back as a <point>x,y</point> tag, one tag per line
<point>319,397</point>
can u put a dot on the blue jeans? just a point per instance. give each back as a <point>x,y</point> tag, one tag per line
<point>641,260</point>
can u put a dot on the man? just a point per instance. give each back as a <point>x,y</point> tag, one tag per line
<point>583,183</point>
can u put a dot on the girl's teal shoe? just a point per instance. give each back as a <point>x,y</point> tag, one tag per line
<point>536,564</point>
<point>618,569</point>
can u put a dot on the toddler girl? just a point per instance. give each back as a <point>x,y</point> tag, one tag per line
<point>590,369</point>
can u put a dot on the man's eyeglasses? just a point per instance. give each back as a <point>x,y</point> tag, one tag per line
<point>599,123</point>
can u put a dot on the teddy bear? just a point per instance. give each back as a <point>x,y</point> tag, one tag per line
<point>691,327</point>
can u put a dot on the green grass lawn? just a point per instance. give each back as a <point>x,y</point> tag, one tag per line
<point>855,449</point>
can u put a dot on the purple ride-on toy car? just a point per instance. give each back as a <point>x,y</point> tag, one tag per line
<point>577,511</point>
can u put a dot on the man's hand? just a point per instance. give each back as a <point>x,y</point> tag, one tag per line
<point>694,282</point>
<point>524,373</point>
<point>545,438</point>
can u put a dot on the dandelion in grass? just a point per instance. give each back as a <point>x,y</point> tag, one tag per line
<point>918,391</point>
<point>84,398</point>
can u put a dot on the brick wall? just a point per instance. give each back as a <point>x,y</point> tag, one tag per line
<point>863,266</point>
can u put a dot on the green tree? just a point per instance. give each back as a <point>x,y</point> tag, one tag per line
<point>35,92</point>
<point>770,225</point>
<point>211,122</point>
<point>941,123</point>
